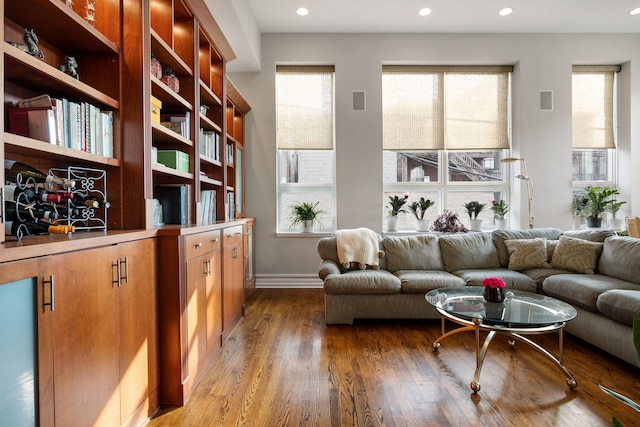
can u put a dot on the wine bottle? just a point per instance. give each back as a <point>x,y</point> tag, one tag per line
<point>12,192</point>
<point>16,211</point>
<point>19,172</point>
<point>80,199</point>
<point>29,228</point>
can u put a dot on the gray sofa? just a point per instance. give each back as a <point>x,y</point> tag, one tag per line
<point>594,270</point>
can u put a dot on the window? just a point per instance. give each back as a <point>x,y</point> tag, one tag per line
<point>445,132</point>
<point>594,124</point>
<point>305,141</point>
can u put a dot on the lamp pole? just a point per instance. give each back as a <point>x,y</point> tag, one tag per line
<point>527,180</point>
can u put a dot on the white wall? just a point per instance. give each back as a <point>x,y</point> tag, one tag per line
<point>543,138</point>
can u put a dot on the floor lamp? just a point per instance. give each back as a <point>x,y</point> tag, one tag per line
<point>527,180</point>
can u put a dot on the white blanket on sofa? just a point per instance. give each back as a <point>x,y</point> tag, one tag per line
<point>358,246</point>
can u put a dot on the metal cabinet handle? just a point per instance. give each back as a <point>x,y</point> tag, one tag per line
<point>118,271</point>
<point>198,245</point>
<point>51,283</point>
<point>126,269</point>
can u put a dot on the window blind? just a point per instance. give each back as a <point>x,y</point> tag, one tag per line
<point>304,103</point>
<point>445,107</point>
<point>593,106</point>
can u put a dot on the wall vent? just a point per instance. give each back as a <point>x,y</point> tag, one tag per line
<point>546,100</point>
<point>359,100</point>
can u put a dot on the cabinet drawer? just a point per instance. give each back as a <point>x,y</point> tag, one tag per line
<point>197,244</point>
<point>232,235</point>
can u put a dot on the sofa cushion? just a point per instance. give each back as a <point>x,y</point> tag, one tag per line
<point>590,235</point>
<point>423,281</point>
<point>466,251</point>
<point>499,237</point>
<point>582,290</point>
<point>527,253</point>
<point>620,305</point>
<point>420,252</point>
<point>513,279</point>
<point>539,274</point>
<point>621,258</point>
<point>362,282</point>
<point>576,255</point>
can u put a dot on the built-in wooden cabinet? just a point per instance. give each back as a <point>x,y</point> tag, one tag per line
<point>201,293</point>
<point>98,295</point>
<point>96,332</point>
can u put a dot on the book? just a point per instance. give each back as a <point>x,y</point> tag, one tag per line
<point>42,125</point>
<point>43,100</point>
<point>175,201</point>
<point>107,133</point>
<point>19,119</point>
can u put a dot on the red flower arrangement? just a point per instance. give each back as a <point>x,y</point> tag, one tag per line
<point>494,282</point>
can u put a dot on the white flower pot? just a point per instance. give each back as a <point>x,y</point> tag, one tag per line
<point>422,225</point>
<point>577,222</point>
<point>476,225</point>
<point>392,223</point>
<point>307,227</point>
<point>502,224</point>
<point>615,224</point>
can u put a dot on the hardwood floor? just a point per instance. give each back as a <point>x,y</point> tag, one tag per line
<point>282,366</point>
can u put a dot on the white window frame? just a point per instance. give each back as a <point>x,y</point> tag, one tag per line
<point>328,220</point>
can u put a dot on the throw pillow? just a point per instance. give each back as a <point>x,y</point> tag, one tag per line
<point>576,255</point>
<point>551,247</point>
<point>527,253</point>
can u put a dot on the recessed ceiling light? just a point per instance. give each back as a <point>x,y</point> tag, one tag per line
<point>302,11</point>
<point>424,11</point>
<point>506,11</point>
<point>635,11</point>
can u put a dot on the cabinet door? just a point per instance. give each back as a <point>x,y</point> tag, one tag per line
<point>138,329</point>
<point>85,340</point>
<point>197,269</point>
<point>213,285</point>
<point>232,279</point>
<point>27,372</point>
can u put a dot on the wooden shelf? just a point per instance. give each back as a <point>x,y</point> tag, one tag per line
<point>31,147</point>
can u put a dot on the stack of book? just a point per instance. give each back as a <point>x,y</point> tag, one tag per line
<point>208,200</point>
<point>76,125</point>
<point>210,144</point>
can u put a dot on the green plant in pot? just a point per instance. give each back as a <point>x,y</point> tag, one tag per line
<point>599,200</point>
<point>397,207</point>
<point>473,210</point>
<point>613,208</point>
<point>305,215</point>
<point>418,209</point>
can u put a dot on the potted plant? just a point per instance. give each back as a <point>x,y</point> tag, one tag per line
<point>473,210</point>
<point>448,222</point>
<point>397,207</point>
<point>599,199</point>
<point>614,207</point>
<point>418,209</point>
<point>578,210</point>
<point>500,209</point>
<point>305,215</point>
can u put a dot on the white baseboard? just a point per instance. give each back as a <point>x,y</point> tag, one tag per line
<point>292,281</point>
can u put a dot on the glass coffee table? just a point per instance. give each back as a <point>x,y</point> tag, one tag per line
<point>521,313</point>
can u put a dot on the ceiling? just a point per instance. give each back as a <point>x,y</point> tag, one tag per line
<point>254,17</point>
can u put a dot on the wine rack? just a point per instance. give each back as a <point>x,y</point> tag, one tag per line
<point>93,183</point>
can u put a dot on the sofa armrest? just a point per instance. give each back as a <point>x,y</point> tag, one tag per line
<point>328,267</point>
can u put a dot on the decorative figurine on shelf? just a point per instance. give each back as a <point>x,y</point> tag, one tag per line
<point>70,67</point>
<point>91,12</point>
<point>30,44</point>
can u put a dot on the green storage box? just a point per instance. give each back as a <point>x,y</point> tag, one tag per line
<point>174,159</point>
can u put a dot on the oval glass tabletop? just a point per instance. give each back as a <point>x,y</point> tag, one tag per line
<point>524,309</point>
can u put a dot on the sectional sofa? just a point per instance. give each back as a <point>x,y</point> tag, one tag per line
<point>596,271</point>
